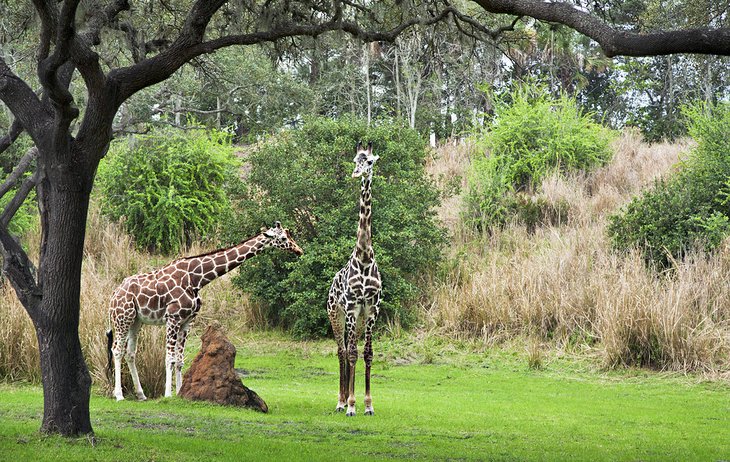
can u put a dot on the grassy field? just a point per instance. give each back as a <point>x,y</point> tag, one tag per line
<point>431,402</point>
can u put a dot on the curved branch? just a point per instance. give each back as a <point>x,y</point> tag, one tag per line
<point>18,171</point>
<point>23,103</point>
<point>615,41</point>
<point>16,128</point>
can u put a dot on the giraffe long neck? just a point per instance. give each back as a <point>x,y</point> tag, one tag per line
<point>364,249</point>
<point>219,263</point>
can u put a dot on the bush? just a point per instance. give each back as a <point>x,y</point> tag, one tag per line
<point>168,187</point>
<point>532,135</point>
<point>691,208</point>
<point>303,178</point>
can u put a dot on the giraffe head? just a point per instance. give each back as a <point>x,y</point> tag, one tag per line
<point>279,237</point>
<point>364,161</point>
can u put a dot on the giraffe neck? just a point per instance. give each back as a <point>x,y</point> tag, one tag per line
<point>218,263</point>
<point>364,248</point>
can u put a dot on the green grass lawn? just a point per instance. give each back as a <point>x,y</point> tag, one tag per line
<point>443,405</point>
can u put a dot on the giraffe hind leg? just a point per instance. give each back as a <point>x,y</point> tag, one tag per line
<point>122,313</point>
<point>351,329</point>
<point>337,320</point>
<point>368,359</point>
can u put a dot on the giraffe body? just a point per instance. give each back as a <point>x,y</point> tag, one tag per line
<point>170,296</point>
<point>354,296</point>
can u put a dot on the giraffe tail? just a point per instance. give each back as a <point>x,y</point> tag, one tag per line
<point>109,343</point>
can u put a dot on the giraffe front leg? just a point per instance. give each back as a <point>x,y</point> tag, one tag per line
<point>171,334</point>
<point>117,353</point>
<point>131,359</point>
<point>350,325</point>
<point>368,359</point>
<point>180,356</point>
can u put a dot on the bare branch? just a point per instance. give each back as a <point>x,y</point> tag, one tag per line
<point>612,40</point>
<point>47,68</point>
<point>16,128</point>
<point>16,264</point>
<point>19,270</point>
<point>22,102</point>
<point>19,170</point>
<point>12,208</point>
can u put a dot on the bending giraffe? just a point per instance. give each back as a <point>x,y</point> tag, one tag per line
<point>169,296</point>
<point>355,294</point>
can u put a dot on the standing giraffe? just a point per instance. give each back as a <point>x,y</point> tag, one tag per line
<point>355,293</point>
<point>169,296</point>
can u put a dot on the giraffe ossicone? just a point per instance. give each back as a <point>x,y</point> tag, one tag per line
<point>170,296</point>
<point>355,293</point>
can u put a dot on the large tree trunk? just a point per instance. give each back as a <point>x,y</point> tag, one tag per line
<point>66,379</point>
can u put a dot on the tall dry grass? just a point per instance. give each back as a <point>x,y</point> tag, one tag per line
<point>110,256</point>
<point>563,284</point>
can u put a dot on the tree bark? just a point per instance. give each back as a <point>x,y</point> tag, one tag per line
<point>65,376</point>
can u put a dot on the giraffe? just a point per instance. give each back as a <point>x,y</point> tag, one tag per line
<point>169,296</point>
<point>355,293</point>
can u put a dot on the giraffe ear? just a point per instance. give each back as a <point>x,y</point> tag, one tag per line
<point>370,147</point>
<point>359,145</point>
<point>277,224</point>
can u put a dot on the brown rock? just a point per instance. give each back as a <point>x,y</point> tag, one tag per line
<point>211,376</point>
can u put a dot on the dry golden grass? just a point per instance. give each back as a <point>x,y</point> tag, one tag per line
<point>563,284</point>
<point>109,257</point>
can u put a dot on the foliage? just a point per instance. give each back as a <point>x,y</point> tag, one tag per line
<point>689,209</point>
<point>532,135</point>
<point>169,186</point>
<point>303,178</point>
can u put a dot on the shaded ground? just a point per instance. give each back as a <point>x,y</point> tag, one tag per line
<point>477,406</point>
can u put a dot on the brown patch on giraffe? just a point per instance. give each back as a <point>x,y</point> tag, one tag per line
<point>176,292</point>
<point>178,274</point>
<point>220,260</point>
<point>208,266</point>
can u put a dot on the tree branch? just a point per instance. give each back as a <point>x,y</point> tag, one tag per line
<point>189,44</point>
<point>18,171</point>
<point>16,128</point>
<point>16,264</point>
<point>23,103</point>
<point>19,270</point>
<point>612,40</point>
<point>12,208</point>
<point>48,67</point>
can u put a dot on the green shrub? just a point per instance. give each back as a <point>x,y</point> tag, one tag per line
<point>532,135</point>
<point>689,209</point>
<point>168,187</point>
<point>303,178</point>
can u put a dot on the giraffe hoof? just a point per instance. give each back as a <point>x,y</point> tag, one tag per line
<point>350,414</point>
<point>339,408</point>
<point>119,398</point>
<point>141,398</point>
<point>369,412</point>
